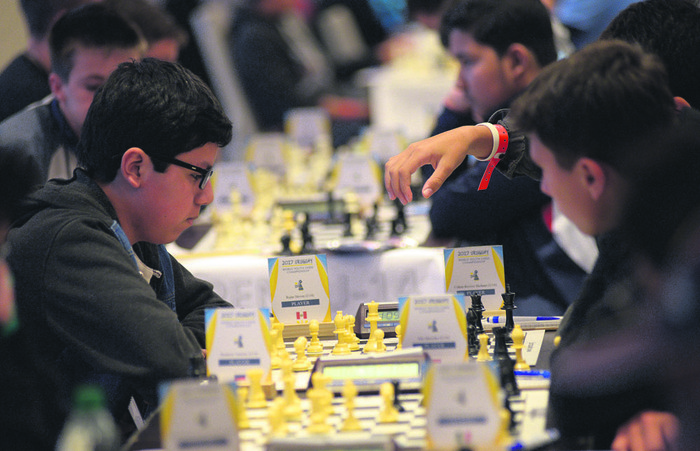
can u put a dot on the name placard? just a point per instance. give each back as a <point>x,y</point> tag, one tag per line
<point>196,417</point>
<point>435,323</point>
<point>462,410</point>
<point>233,176</point>
<point>299,288</point>
<point>359,174</point>
<point>476,270</point>
<point>237,340</point>
<point>268,150</point>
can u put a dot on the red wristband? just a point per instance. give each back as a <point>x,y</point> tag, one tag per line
<point>502,147</point>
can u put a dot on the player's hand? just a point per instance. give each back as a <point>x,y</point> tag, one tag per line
<point>648,431</point>
<point>444,152</point>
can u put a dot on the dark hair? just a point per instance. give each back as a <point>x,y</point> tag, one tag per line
<point>596,103</point>
<point>671,30</point>
<point>41,14</point>
<point>19,174</point>
<point>499,24</point>
<point>92,25</point>
<point>154,22</point>
<point>157,106</point>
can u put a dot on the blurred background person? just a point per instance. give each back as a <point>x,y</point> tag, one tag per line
<point>164,36</point>
<point>87,44</point>
<point>282,66</point>
<point>26,78</point>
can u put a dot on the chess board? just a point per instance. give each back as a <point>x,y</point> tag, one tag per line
<point>330,237</point>
<point>408,433</point>
<point>531,349</point>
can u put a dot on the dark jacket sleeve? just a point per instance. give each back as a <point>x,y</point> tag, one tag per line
<point>460,210</point>
<point>193,296</point>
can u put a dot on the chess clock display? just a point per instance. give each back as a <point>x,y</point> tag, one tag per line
<point>351,442</point>
<point>388,319</point>
<point>369,371</point>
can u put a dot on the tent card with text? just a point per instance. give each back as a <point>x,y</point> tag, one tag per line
<point>237,340</point>
<point>462,406</point>
<point>435,323</point>
<point>358,174</point>
<point>299,288</point>
<point>196,417</point>
<point>233,178</point>
<point>476,270</point>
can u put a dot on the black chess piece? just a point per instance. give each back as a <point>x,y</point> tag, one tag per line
<point>331,204</point>
<point>506,365</point>
<point>347,225</point>
<point>397,402</point>
<point>372,223</point>
<point>286,241</point>
<point>509,306</point>
<point>472,335</point>
<point>398,224</point>
<point>307,246</point>
<point>479,308</point>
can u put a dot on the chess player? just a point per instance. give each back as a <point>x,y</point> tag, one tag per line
<point>586,168</point>
<point>87,44</point>
<point>590,187</point>
<point>26,79</point>
<point>501,47</point>
<point>97,293</point>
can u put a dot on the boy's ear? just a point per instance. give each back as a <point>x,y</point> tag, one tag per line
<point>134,166</point>
<point>56,85</point>
<point>521,59</point>
<point>593,177</point>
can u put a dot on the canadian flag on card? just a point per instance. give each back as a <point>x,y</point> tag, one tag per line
<point>301,315</point>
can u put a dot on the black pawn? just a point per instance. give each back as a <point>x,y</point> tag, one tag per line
<point>286,241</point>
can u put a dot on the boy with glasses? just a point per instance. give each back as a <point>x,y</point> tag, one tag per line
<point>97,291</point>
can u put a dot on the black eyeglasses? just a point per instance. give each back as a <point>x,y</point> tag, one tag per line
<point>206,173</point>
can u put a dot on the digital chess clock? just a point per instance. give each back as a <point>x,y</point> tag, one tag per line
<point>388,313</point>
<point>370,371</point>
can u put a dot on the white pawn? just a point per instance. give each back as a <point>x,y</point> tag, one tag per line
<point>315,346</point>
<point>379,340</point>
<point>388,413</point>
<point>301,363</point>
<point>483,355</point>
<point>256,395</point>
